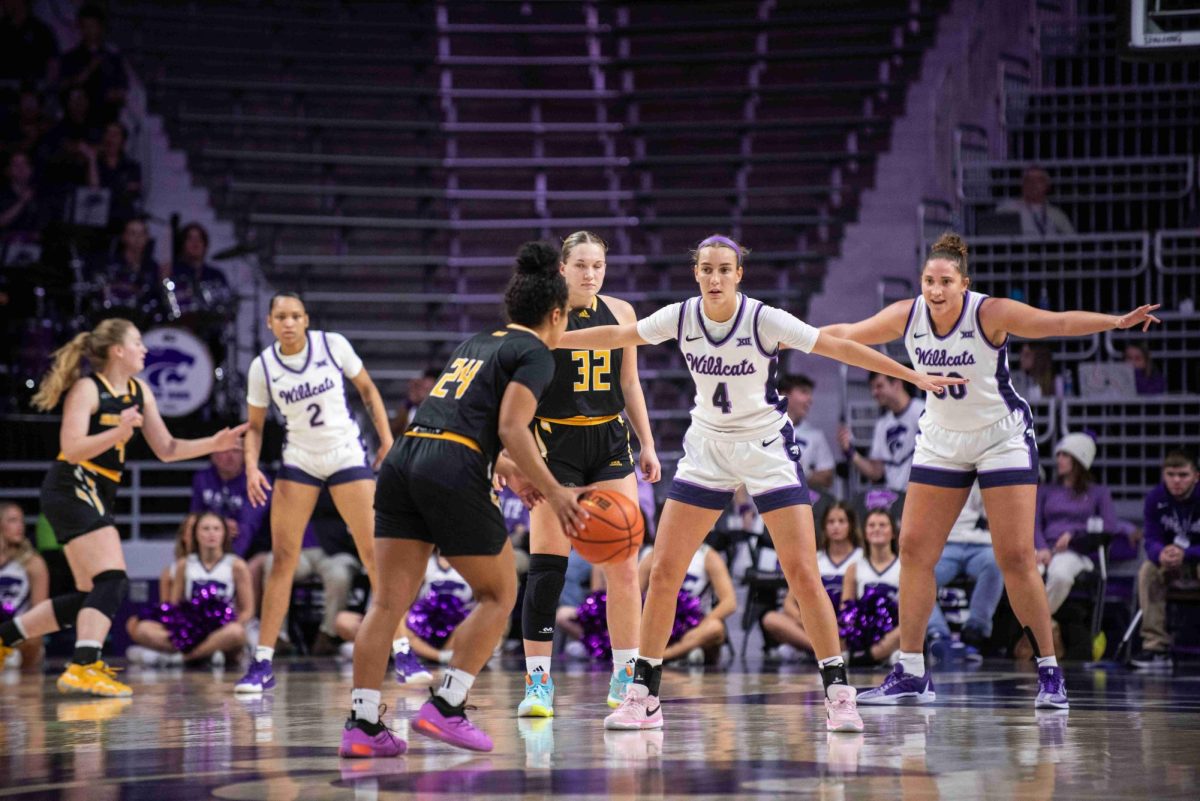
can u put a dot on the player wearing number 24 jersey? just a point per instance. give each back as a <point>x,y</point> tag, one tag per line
<point>739,436</point>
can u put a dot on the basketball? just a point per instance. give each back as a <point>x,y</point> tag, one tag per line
<point>614,529</point>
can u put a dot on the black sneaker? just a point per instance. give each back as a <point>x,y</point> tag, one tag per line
<point>1152,660</point>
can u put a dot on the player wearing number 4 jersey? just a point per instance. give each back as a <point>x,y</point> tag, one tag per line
<point>739,436</point>
<point>982,430</point>
<point>303,374</point>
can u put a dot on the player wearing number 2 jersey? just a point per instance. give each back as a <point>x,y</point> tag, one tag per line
<point>983,430</point>
<point>303,374</point>
<point>739,436</point>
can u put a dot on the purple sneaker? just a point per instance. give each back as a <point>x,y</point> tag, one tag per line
<point>900,688</point>
<point>362,740</point>
<point>1052,689</point>
<point>409,669</point>
<point>440,721</point>
<point>259,677</point>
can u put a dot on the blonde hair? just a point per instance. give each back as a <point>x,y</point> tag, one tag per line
<point>65,370</point>
<point>580,238</point>
<point>952,247</point>
<point>20,552</point>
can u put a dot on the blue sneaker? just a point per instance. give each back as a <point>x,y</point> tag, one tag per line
<point>259,677</point>
<point>618,684</point>
<point>539,697</point>
<point>409,669</point>
<point>1052,689</point>
<point>900,688</point>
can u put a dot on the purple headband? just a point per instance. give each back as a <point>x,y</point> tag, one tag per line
<point>717,239</point>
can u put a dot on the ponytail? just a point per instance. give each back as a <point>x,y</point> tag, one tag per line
<point>65,370</point>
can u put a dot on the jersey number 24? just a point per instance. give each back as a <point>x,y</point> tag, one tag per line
<point>461,372</point>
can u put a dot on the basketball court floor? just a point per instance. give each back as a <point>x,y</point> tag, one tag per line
<point>729,733</point>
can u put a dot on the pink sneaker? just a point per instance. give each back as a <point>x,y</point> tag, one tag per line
<point>636,713</point>
<point>841,709</point>
<point>364,740</point>
<point>439,720</point>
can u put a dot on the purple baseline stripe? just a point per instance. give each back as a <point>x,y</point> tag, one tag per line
<point>757,338</point>
<point>737,318</point>
<point>329,352</point>
<point>696,495</point>
<point>289,473</point>
<point>779,498</point>
<point>349,474</point>
<point>942,477</point>
<point>307,358</point>
<point>961,314</point>
<point>908,322</point>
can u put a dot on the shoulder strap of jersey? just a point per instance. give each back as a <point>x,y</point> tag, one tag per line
<point>914,313</point>
<point>329,350</point>
<point>683,313</point>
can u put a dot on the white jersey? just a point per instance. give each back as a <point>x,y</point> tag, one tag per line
<point>733,364</point>
<point>445,581</point>
<point>309,389</point>
<point>815,454</point>
<point>894,442</point>
<point>697,581</point>
<point>220,579</point>
<point>963,352</point>
<point>832,572</point>
<point>14,587</point>
<point>867,576</point>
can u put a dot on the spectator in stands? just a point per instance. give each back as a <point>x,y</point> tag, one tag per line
<point>516,520</point>
<point>197,285</point>
<point>968,553</point>
<point>872,582</point>
<point>816,458</point>
<point>221,488</point>
<point>24,580</point>
<point>707,580</point>
<point>1038,217</point>
<point>96,66</point>
<point>24,129</point>
<point>418,391</point>
<point>1068,512</point>
<point>1147,378</point>
<point>20,206</point>
<point>28,49</point>
<point>1034,377</point>
<point>119,174</point>
<point>68,151</point>
<point>127,282</point>
<point>1172,521</point>
<point>895,435</point>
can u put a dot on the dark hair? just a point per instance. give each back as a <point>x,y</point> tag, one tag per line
<point>798,381</point>
<point>536,287</point>
<point>580,238</point>
<point>952,247</point>
<point>720,241</point>
<point>1079,479</point>
<point>292,295</point>
<point>193,226</point>
<point>1179,458</point>
<point>883,510</point>
<point>856,535</point>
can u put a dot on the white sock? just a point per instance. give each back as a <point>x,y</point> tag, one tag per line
<point>263,652</point>
<point>445,657</point>
<point>652,661</point>
<point>88,644</point>
<point>832,661</point>
<point>623,657</point>
<point>914,664</point>
<point>455,685</point>
<point>1047,661</point>
<point>400,645</point>
<point>535,663</point>
<point>365,704</point>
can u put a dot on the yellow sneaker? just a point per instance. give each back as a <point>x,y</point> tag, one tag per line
<point>100,709</point>
<point>5,652</point>
<point>94,679</point>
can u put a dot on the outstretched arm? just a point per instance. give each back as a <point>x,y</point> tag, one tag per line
<point>1001,316</point>
<point>373,402</point>
<point>602,337</point>
<point>885,326</point>
<point>169,449</point>
<point>635,399</point>
<point>852,353</point>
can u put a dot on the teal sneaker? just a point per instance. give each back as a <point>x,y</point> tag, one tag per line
<point>539,697</point>
<point>618,684</point>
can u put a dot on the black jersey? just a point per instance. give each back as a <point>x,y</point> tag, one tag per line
<point>112,402</point>
<point>587,383</point>
<point>465,401</point>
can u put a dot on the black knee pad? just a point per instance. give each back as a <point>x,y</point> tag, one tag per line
<point>108,591</point>
<point>66,608</point>
<point>543,588</point>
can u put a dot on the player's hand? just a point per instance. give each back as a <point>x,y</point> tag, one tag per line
<point>1140,315</point>
<point>565,503</point>
<point>936,383</point>
<point>131,418</point>
<point>385,445</point>
<point>257,486</point>
<point>648,462</point>
<point>229,438</point>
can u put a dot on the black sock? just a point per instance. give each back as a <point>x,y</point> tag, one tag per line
<point>444,707</point>
<point>10,635</point>
<point>647,675</point>
<point>834,674</point>
<point>368,727</point>
<point>85,655</point>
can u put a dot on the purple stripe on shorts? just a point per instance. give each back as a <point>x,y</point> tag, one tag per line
<point>942,477</point>
<point>349,474</point>
<point>289,473</point>
<point>779,498</point>
<point>695,495</point>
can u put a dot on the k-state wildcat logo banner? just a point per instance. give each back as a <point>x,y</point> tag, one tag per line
<point>179,370</point>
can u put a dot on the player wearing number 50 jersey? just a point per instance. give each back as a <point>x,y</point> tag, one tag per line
<point>981,430</point>
<point>303,374</point>
<point>739,436</point>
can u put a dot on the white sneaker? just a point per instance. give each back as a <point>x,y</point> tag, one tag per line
<point>695,656</point>
<point>217,660</point>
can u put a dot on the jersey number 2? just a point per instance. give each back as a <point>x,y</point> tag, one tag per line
<point>315,410</point>
<point>461,372</point>
<point>721,398</point>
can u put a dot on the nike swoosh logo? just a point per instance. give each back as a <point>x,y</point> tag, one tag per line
<point>917,336</point>
<point>275,379</point>
<point>650,712</point>
<point>767,442</point>
<point>692,339</point>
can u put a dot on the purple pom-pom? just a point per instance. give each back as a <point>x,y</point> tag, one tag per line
<point>864,621</point>
<point>593,619</point>
<point>188,624</point>
<point>434,617</point>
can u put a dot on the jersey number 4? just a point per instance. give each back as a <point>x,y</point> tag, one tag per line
<point>461,372</point>
<point>594,367</point>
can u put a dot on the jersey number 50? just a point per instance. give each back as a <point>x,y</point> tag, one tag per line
<point>461,372</point>
<point>957,391</point>
<point>594,367</point>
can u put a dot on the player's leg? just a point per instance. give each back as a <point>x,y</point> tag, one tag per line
<point>355,502</point>
<point>98,565</point>
<point>549,550</point>
<point>624,605</point>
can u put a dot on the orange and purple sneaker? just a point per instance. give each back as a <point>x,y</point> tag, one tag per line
<point>363,740</point>
<point>440,721</point>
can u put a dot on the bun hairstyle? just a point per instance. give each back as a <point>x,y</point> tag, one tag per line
<point>536,287</point>
<point>65,370</point>
<point>952,247</point>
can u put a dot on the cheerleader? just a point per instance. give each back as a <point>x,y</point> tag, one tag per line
<point>101,414</point>
<point>24,581</point>
<point>700,635</point>
<point>304,374</point>
<point>869,590</point>
<point>148,639</point>
<point>738,436</point>
<point>841,545</point>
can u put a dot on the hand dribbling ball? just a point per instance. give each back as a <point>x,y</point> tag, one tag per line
<point>613,531</point>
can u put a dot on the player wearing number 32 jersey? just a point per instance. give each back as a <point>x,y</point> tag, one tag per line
<point>739,436</point>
